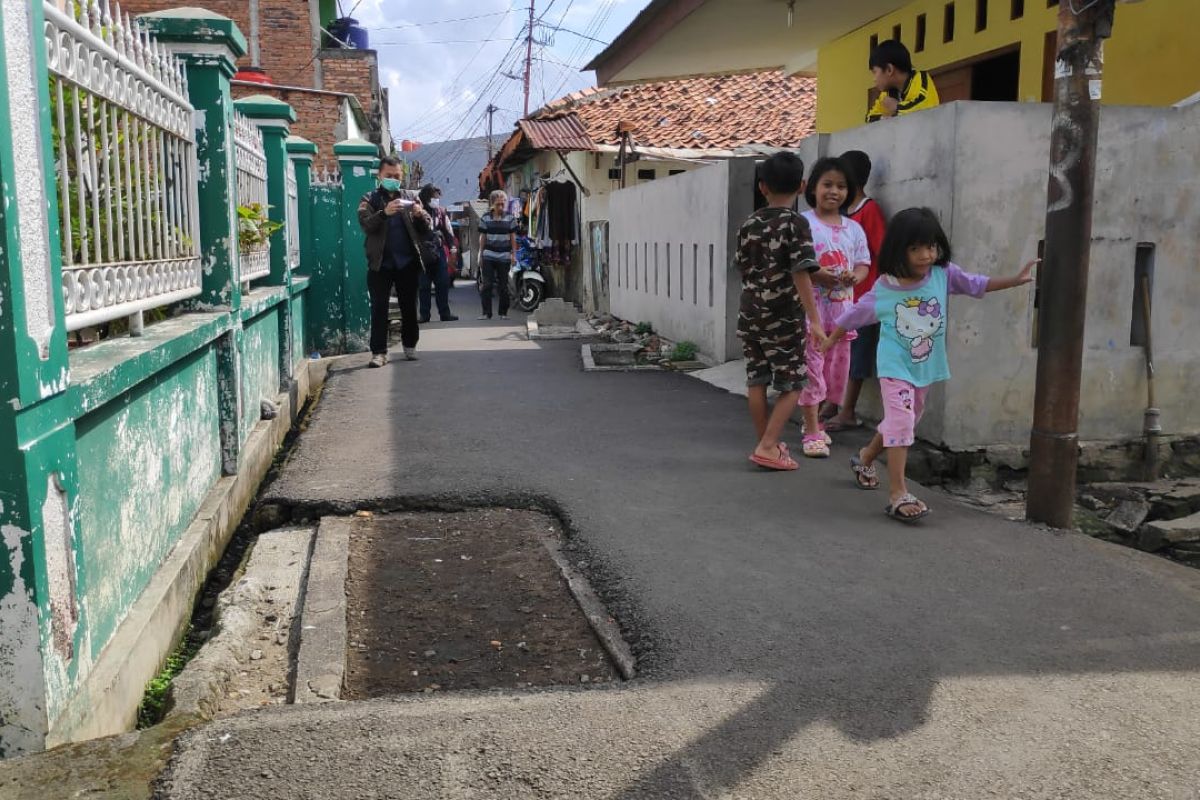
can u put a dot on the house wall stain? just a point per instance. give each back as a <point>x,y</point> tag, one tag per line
<point>146,461</point>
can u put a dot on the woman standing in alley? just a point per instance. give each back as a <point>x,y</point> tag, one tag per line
<point>435,281</point>
<point>498,251</point>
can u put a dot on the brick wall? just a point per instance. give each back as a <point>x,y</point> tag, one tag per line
<point>318,117</point>
<point>285,34</point>
<point>354,72</point>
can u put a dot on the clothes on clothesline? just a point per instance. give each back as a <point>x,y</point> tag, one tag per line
<point>551,215</point>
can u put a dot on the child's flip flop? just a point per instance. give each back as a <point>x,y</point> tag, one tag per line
<point>893,510</point>
<point>784,463</point>
<point>865,477</point>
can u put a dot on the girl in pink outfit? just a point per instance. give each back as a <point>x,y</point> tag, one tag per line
<point>845,260</point>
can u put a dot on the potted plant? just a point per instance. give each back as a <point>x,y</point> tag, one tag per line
<point>255,229</point>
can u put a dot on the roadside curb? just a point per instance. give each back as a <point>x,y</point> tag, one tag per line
<point>321,659</point>
<point>601,622</point>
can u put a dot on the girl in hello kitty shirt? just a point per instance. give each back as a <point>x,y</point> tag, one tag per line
<point>909,302</point>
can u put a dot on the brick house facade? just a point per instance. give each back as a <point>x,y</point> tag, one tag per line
<point>333,90</point>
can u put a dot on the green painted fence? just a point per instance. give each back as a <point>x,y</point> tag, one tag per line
<point>113,456</point>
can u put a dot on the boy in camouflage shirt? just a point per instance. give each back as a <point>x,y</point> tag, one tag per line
<point>775,257</point>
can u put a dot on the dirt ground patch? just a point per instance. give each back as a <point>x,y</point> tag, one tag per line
<point>471,600</point>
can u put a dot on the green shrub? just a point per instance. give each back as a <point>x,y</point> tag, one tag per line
<point>644,329</point>
<point>684,351</point>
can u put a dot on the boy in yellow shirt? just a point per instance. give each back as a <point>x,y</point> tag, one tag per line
<point>902,89</point>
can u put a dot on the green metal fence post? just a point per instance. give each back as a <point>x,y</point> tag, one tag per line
<point>210,45</point>
<point>356,159</point>
<point>39,613</point>
<point>302,152</point>
<point>273,118</point>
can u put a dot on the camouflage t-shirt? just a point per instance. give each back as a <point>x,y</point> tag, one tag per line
<point>773,243</point>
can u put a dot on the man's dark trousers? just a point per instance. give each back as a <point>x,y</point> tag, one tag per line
<point>380,285</point>
<point>494,280</point>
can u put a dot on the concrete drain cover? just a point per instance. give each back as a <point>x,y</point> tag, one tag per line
<point>615,358</point>
<point>470,600</point>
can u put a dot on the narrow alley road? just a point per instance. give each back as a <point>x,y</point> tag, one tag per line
<point>793,642</point>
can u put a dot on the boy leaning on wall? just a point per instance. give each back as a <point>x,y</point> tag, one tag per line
<point>902,89</point>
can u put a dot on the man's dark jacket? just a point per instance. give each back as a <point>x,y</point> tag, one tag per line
<point>374,222</point>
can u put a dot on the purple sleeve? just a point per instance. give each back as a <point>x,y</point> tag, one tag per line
<point>959,281</point>
<point>859,315</point>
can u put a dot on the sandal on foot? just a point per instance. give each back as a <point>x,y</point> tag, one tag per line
<point>893,510</point>
<point>836,425</point>
<point>784,463</point>
<point>815,446</point>
<point>865,476</point>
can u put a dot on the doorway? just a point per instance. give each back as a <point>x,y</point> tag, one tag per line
<point>993,76</point>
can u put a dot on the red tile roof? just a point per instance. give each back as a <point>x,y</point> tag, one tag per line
<point>721,112</point>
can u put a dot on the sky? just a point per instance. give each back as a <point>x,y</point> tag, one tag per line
<point>442,60</point>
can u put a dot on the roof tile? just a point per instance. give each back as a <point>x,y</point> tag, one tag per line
<point>725,111</point>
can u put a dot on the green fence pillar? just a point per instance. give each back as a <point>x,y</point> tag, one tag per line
<point>210,45</point>
<point>302,152</point>
<point>273,119</point>
<point>356,160</point>
<point>39,614</point>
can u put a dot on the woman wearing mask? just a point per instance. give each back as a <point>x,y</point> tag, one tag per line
<point>436,282</point>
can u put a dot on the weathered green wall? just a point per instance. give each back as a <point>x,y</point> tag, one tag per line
<point>299,303</point>
<point>146,460</point>
<point>260,366</point>
<point>326,291</point>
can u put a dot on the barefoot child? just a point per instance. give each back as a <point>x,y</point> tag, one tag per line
<point>845,260</point>
<point>775,256</point>
<point>909,301</point>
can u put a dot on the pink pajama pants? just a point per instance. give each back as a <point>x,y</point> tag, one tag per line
<point>828,372</point>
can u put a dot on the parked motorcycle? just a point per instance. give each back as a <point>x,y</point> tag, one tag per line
<point>527,284</point>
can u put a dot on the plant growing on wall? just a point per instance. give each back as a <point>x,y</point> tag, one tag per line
<point>255,228</point>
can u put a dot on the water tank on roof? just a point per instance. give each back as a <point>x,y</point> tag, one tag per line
<point>253,75</point>
<point>347,30</point>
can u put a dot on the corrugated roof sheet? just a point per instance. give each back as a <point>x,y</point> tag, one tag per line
<point>563,132</point>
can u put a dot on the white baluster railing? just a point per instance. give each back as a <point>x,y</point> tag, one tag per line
<point>125,165</point>
<point>251,161</point>
<point>293,216</point>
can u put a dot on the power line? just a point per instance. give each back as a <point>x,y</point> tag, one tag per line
<point>440,21</point>
<point>439,41</point>
<point>424,116</point>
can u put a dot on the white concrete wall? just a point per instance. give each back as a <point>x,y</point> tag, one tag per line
<point>669,257</point>
<point>983,168</point>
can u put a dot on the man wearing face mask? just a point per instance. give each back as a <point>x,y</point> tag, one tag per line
<point>437,281</point>
<point>395,226</point>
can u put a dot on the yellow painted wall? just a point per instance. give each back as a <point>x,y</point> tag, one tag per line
<point>1149,60</point>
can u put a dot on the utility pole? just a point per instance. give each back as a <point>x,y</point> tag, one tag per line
<point>528,56</point>
<point>1054,441</point>
<point>491,110</point>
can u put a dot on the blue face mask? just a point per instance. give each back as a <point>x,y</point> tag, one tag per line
<point>390,184</point>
